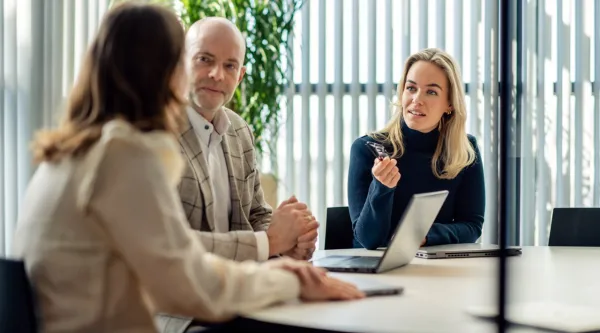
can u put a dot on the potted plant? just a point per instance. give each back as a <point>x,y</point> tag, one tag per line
<point>266,25</point>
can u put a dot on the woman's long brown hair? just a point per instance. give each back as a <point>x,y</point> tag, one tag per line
<point>127,74</point>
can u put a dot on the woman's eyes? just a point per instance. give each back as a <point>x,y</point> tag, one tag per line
<point>429,92</point>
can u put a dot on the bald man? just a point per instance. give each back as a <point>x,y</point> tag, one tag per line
<point>221,190</point>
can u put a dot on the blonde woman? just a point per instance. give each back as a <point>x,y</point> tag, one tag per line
<point>429,150</point>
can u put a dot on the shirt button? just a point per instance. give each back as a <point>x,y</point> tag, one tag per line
<point>206,127</point>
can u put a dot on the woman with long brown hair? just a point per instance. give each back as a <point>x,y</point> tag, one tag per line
<point>102,231</point>
<point>428,149</point>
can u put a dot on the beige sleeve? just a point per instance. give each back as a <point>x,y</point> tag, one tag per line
<point>142,214</point>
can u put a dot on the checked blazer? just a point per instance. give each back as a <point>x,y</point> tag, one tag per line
<point>249,211</point>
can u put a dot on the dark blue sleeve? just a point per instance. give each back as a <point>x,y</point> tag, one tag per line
<point>369,201</point>
<point>469,208</point>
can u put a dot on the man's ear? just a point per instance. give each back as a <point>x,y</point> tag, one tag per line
<point>242,72</point>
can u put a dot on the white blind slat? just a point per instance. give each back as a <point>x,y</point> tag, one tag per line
<point>489,231</point>
<point>290,172</point>
<point>355,85</point>
<point>322,145</point>
<point>474,87</point>
<point>372,65</point>
<point>10,121</point>
<point>563,93</point>
<point>69,45</point>
<point>2,138</point>
<point>388,90</point>
<point>526,165</point>
<point>405,29</point>
<point>580,59</point>
<point>338,128</point>
<point>305,164</point>
<point>542,170</point>
<point>458,31</point>
<point>423,24</point>
<point>597,104</point>
<point>441,24</point>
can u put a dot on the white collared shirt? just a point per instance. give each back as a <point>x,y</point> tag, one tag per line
<point>210,135</point>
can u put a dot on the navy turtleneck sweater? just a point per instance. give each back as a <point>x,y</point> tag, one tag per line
<point>375,209</point>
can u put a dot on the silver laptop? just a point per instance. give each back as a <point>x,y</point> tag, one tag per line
<point>465,251</point>
<point>411,230</point>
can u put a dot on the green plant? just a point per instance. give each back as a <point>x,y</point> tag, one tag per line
<point>267,25</point>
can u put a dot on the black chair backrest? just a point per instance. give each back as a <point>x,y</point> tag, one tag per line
<point>575,227</point>
<point>17,306</point>
<point>338,229</point>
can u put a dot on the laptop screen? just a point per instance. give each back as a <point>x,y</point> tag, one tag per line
<point>412,229</point>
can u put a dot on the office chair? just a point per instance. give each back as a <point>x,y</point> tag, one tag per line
<point>575,227</point>
<point>17,306</point>
<point>338,229</point>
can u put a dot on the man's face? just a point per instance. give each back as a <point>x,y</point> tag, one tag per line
<point>215,58</point>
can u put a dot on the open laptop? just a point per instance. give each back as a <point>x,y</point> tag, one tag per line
<point>465,251</point>
<point>411,230</point>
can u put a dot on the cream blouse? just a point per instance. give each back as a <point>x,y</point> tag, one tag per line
<point>106,243</point>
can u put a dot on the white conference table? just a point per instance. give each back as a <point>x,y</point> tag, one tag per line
<point>438,292</point>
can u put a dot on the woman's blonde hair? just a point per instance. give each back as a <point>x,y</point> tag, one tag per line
<point>454,151</point>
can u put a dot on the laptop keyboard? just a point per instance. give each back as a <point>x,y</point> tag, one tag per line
<point>349,261</point>
<point>365,261</point>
